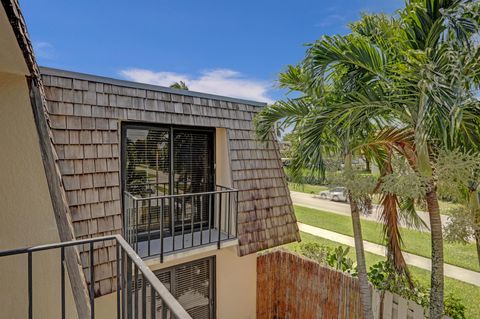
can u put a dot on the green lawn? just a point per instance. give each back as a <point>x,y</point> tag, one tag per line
<point>415,242</point>
<point>307,188</point>
<point>469,294</point>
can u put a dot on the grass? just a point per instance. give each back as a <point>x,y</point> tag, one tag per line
<point>307,188</point>
<point>469,294</point>
<point>415,242</point>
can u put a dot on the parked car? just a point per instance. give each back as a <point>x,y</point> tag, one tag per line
<point>337,194</point>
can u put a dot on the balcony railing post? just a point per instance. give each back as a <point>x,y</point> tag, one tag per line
<point>92,283</point>
<point>62,281</point>
<point>153,307</point>
<point>144,297</point>
<point>30,286</point>
<point>219,220</point>
<point>228,212</point>
<point>135,287</point>
<point>236,216</point>
<point>161,230</point>
<point>129,287</point>
<point>117,251</point>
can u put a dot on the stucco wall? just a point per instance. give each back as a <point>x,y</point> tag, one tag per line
<point>26,213</point>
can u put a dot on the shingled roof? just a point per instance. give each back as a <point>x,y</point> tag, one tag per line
<point>85,113</point>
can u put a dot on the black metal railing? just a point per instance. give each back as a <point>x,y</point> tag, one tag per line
<point>140,294</point>
<point>158,225</point>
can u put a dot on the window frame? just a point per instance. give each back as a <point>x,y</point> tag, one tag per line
<point>171,127</point>
<point>212,279</point>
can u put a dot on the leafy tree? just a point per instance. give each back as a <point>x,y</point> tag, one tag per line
<point>179,85</point>
<point>402,86</point>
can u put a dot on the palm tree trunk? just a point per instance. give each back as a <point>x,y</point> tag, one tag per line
<point>437,282</point>
<point>477,241</point>
<point>365,293</point>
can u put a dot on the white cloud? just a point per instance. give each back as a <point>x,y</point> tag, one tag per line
<point>218,81</point>
<point>44,50</point>
<point>332,19</point>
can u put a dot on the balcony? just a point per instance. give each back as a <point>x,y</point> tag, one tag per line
<point>163,224</point>
<point>140,293</point>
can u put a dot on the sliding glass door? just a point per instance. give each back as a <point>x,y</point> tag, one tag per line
<point>167,160</point>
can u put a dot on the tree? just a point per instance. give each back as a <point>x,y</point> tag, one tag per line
<point>400,86</point>
<point>179,85</point>
<point>419,75</point>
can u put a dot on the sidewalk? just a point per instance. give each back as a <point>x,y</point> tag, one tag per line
<point>451,271</point>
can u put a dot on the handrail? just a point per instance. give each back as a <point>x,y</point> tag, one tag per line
<point>157,288</point>
<point>167,297</point>
<point>159,225</point>
<point>227,190</point>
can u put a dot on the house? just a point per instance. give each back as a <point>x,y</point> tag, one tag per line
<point>149,199</point>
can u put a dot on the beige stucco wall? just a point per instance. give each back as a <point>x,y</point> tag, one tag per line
<point>26,211</point>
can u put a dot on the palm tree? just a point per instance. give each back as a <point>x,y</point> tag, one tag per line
<point>418,73</point>
<point>179,85</point>
<point>318,137</point>
<point>415,75</point>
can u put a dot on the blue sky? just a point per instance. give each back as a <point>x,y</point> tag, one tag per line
<point>234,48</point>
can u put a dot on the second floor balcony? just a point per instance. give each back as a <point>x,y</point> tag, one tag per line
<point>172,197</point>
<point>157,224</point>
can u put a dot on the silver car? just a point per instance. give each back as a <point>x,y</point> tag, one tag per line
<point>337,194</point>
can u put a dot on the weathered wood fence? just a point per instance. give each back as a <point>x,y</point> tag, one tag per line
<point>290,286</point>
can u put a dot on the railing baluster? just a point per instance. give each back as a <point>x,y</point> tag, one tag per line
<point>210,208</point>
<point>172,222</point>
<point>135,287</point>
<point>161,230</point>
<point>149,216</point>
<point>129,288</point>
<point>153,307</point>
<point>136,225</point>
<point>192,218</point>
<point>30,286</point>
<point>117,251</point>
<point>144,297</point>
<point>201,218</point>
<point>62,281</point>
<point>183,222</point>
<point>219,220</point>
<point>236,216</point>
<point>92,283</point>
<point>124,284</point>
<point>228,212</point>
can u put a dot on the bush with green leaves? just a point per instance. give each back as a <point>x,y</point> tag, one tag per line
<point>336,258</point>
<point>385,278</point>
<point>382,276</point>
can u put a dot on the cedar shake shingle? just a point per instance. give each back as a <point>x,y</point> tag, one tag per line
<point>84,119</point>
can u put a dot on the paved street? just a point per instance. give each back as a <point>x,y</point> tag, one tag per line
<point>451,271</point>
<point>307,200</point>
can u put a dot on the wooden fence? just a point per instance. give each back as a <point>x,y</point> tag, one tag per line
<point>290,286</point>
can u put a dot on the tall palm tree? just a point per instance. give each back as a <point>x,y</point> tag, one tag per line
<point>414,81</point>
<point>414,74</point>
<point>179,85</point>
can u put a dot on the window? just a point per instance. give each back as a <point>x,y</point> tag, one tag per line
<point>193,285</point>
<point>168,160</point>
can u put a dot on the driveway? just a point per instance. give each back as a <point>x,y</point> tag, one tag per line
<point>307,200</point>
